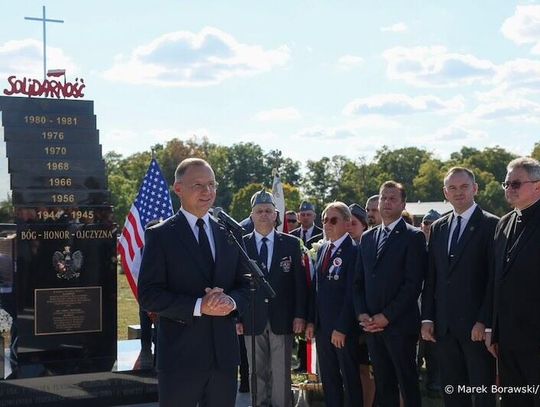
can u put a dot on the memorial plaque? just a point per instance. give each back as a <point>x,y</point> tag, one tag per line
<point>32,135</point>
<point>56,166</point>
<point>51,151</point>
<point>48,120</point>
<point>76,197</point>
<point>67,310</point>
<point>34,181</point>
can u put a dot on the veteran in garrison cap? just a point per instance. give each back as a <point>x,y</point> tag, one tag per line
<point>307,229</point>
<point>427,220</point>
<point>276,319</point>
<point>358,222</point>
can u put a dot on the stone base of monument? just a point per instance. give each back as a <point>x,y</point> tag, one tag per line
<point>127,384</point>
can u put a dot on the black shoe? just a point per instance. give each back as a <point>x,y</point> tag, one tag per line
<point>300,369</point>
<point>244,388</point>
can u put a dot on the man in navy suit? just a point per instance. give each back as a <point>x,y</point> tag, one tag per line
<point>191,276</point>
<point>516,316</point>
<point>455,301</point>
<point>391,265</point>
<point>278,318</point>
<point>331,316</point>
<point>308,228</point>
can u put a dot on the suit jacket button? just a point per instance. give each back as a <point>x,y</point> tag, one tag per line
<point>266,300</point>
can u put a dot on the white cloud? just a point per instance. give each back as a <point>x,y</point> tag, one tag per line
<point>400,104</point>
<point>519,75</point>
<point>517,110</point>
<point>455,133</point>
<point>348,62</point>
<point>283,114</point>
<point>25,58</point>
<point>185,59</point>
<point>353,130</point>
<point>435,66</point>
<point>524,26</point>
<point>396,28</point>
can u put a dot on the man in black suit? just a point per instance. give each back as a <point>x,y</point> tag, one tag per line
<point>191,276</point>
<point>455,300</point>
<point>307,229</point>
<point>516,316</point>
<point>331,317</point>
<point>391,265</point>
<point>309,233</point>
<point>278,318</point>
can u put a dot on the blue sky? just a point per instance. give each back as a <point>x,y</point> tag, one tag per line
<point>311,78</point>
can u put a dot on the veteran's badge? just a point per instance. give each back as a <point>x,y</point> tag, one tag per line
<point>285,264</point>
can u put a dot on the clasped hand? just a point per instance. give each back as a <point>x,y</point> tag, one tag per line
<point>216,302</point>
<point>372,324</point>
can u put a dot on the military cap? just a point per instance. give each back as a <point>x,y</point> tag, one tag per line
<point>262,197</point>
<point>431,216</point>
<point>358,212</point>
<point>306,206</point>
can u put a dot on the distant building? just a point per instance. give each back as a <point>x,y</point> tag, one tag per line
<point>419,209</point>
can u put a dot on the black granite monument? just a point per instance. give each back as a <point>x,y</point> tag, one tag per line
<point>65,279</point>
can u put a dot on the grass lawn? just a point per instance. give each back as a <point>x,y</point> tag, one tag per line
<point>128,308</point>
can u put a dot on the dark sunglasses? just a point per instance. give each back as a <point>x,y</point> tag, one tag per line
<point>333,220</point>
<point>291,221</point>
<point>516,184</point>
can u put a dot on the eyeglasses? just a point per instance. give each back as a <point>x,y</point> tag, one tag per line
<point>333,220</point>
<point>516,184</point>
<point>291,221</point>
<point>211,186</point>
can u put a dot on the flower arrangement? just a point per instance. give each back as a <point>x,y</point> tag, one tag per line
<point>314,249</point>
<point>5,321</point>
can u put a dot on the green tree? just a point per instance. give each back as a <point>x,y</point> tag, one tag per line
<point>536,151</point>
<point>289,170</point>
<point>401,165</point>
<point>241,201</point>
<point>6,210</point>
<point>429,181</point>
<point>123,193</point>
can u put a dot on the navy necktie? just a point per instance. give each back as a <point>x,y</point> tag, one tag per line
<point>382,239</point>
<point>204,245</point>
<point>263,254</point>
<point>455,239</point>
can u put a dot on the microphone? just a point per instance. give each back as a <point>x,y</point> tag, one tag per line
<point>228,221</point>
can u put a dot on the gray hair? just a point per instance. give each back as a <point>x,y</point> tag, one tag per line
<point>341,207</point>
<point>529,164</point>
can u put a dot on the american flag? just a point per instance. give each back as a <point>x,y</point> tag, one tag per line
<point>153,202</point>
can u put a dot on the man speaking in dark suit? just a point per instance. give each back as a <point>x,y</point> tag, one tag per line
<point>390,268</point>
<point>455,300</point>
<point>516,316</point>
<point>191,276</point>
<point>278,318</point>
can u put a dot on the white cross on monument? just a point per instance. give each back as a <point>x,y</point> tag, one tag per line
<point>44,20</point>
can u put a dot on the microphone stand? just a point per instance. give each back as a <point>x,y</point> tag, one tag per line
<point>256,280</point>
